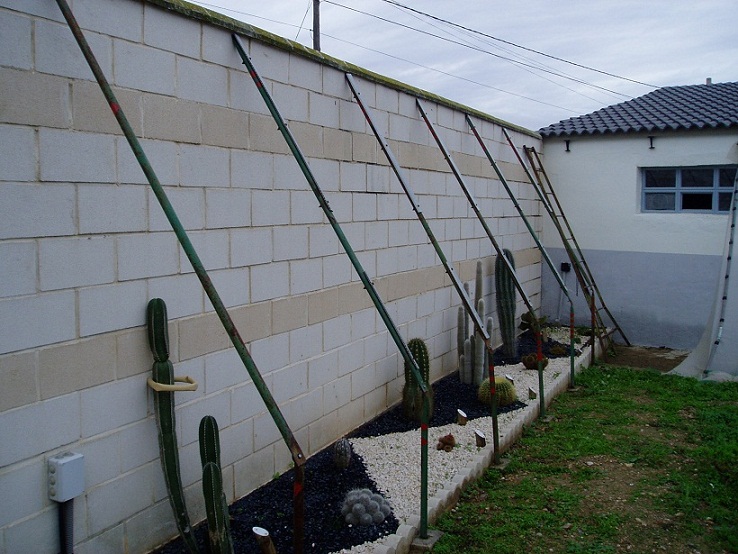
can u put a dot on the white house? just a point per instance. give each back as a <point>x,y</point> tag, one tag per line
<point>646,185</point>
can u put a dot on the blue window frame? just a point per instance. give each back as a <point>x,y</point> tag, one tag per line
<point>687,189</point>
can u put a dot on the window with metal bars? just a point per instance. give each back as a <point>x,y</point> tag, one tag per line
<point>687,189</point>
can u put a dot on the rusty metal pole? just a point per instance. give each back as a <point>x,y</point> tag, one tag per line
<point>296,452</point>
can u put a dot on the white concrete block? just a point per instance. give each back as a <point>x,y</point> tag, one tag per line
<point>291,101</point>
<point>222,370</point>
<point>251,246</point>
<point>326,173</point>
<point>323,110</point>
<point>304,208</point>
<point>246,401</point>
<point>270,281</point>
<point>139,445</point>
<point>147,255</point>
<point>232,286</point>
<point>74,262</point>
<point>162,156</point>
<point>364,207</point>
<point>336,393</point>
<point>363,381</point>
<point>287,174</point>
<point>57,53</point>
<point>305,342</point>
<point>305,73</point>
<point>270,207</point>
<point>35,534</point>
<point>306,276</point>
<point>26,487</point>
<point>243,93</point>
<point>204,166</point>
<point>271,64</point>
<point>102,459</point>
<point>113,405</point>
<point>337,270</point>
<point>111,307</point>
<point>253,170</point>
<point>322,370</point>
<point>145,68</point>
<point>119,19</point>
<point>18,145</point>
<point>289,382</point>
<point>202,82</point>
<point>37,320</point>
<point>271,353</point>
<point>188,203</point>
<point>350,358</point>
<point>76,157</point>
<point>133,492</point>
<point>56,422</point>
<point>290,242</point>
<point>322,241</point>
<point>182,293</point>
<point>164,30</point>
<point>353,177</point>
<point>265,431</point>
<point>363,323</point>
<point>350,116</point>
<point>212,247</point>
<point>111,209</point>
<point>228,208</point>
<point>18,269</point>
<point>16,43</point>
<point>305,410</point>
<point>379,178</point>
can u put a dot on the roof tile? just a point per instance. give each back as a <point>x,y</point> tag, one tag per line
<point>710,106</point>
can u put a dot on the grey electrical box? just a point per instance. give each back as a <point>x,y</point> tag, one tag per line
<point>66,476</point>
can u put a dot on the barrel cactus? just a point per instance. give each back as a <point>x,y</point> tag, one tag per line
<point>412,396</point>
<point>530,361</point>
<point>342,453</point>
<point>363,507</point>
<point>504,390</point>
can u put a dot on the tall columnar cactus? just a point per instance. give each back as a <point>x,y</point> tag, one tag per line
<point>479,348</point>
<point>460,336</point>
<point>412,397</point>
<point>467,375</point>
<point>163,372</point>
<point>506,303</point>
<point>216,505</point>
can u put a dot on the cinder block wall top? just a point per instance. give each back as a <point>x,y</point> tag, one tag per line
<point>84,245</point>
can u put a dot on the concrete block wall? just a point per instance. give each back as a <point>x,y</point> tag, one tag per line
<point>84,245</point>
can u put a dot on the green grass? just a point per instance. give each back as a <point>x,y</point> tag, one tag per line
<point>632,461</point>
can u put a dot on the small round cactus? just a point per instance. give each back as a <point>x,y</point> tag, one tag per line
<point>530,361</point>
<point>342,453</point>
<point>364,507</point>
<point>504,389</point>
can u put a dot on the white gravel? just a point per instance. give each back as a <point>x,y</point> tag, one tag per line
<point>393,460</point>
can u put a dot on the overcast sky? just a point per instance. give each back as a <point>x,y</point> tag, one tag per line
<point>654,42</point>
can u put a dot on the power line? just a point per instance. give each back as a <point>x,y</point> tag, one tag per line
<point>475,48</point>
<point>518,45</point>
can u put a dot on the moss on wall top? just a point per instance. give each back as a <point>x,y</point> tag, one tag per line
<point>214,18</point>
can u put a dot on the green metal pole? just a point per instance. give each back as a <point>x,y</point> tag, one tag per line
<point>471,310</point>
<point>289,439</point>
<point>394,333</point>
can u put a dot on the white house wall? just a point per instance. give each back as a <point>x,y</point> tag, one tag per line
<point>657,271</point>
<point>84,245</point>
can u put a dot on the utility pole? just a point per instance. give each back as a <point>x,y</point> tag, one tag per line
<point>316,25</point>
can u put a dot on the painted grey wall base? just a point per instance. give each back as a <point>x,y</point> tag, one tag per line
<point>658,299</point>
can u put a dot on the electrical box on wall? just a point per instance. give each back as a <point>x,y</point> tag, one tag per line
<point>66,476</point>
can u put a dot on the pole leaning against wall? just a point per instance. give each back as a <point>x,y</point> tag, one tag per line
<point>368,285</point>
<point>471,310</point>
<point>298,457</point>
<point>539,245</point>
<point>493,240</point>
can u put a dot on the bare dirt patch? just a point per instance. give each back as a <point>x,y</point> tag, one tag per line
<point>647,357</point>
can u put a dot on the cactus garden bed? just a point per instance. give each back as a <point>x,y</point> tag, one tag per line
<point>393,436</point>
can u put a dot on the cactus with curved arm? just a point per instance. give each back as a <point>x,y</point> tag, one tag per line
<point>163,372</point>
